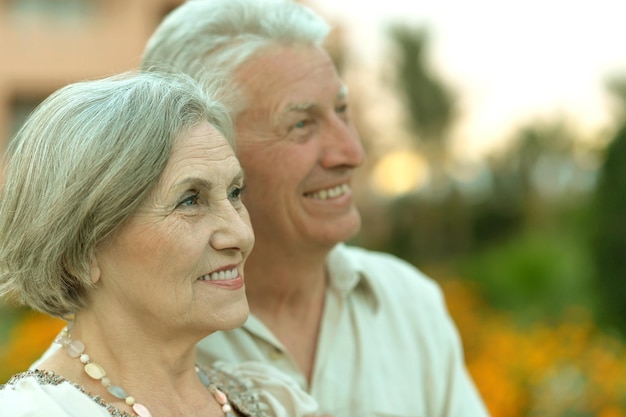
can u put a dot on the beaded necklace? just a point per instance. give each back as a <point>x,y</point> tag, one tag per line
<point>75,349</point>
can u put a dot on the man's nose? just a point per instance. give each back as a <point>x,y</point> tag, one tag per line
<point>341,145</point>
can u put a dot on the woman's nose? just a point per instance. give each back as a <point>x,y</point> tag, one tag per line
<point>233,231</point>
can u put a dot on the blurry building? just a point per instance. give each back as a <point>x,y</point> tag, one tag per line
<point>46,44</point>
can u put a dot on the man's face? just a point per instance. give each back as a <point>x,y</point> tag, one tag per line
<point>298,147</point>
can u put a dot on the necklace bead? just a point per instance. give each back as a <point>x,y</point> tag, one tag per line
<point>141,410</point>
<point>95,371</point>
<point>75,349</point>
<point>116,391</point>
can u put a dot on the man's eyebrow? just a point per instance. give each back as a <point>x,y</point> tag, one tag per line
<point>342,93</point>
<point>294,108</point>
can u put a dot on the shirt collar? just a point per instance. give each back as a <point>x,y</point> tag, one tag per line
<point>348,276</point>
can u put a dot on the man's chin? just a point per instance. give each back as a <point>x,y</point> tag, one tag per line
<point>337,232</point>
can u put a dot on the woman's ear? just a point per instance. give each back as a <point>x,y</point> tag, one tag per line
<point>94,268</point>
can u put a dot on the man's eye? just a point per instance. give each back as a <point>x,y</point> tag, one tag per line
<point>191,200</point>
<point>302,130</point>
<point>342,108</point>
<point>301,124</point>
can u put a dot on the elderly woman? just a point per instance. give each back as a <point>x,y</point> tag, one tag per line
<point>122,212</point>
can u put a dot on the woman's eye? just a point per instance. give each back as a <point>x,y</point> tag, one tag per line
<point>191,200</point>
<point>235,193</point>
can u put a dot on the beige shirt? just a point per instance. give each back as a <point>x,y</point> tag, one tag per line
<point>387,345</point>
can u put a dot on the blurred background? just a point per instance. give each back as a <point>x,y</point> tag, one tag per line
<point>496,140</point>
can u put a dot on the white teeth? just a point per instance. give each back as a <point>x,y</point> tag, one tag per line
<point>330,192</point>
<point>220,276</point>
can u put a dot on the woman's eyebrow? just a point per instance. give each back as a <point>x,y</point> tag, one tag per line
<point>239,177</point>
<point>202,182</point>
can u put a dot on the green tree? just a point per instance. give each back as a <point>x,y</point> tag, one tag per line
<point>424,227</point>
<point>617,87</point>
<point>609,232</point>
<point>534,175</point>
<point>430,104</point>
<point>608,222</point>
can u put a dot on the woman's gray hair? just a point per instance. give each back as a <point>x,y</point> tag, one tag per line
<point>79,167</point>
<point>223,34</point>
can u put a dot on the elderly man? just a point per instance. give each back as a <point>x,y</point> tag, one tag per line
<point>365,333</point>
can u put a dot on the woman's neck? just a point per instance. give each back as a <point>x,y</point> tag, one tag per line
<point>160,375</point>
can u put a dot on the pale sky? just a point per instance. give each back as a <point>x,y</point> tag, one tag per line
<point>509,60</point>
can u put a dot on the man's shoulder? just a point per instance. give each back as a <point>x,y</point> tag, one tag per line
<point>388,272</point>
<point>369,255</point>
<point>403,293</point>
<point>375,263</point>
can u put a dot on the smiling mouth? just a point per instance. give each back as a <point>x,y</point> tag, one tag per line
<point>220,276</point>
<point>327,193</point>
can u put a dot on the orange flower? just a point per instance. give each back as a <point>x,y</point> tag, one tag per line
<point>29,338</point>
<point>557,369</point>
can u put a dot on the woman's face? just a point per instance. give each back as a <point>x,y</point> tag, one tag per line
<point>177,264</point>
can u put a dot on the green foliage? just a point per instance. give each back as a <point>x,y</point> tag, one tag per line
<point>617,87</point>
<point>518,241</point>
<point>609,232</point>
<point>8,316</point>
<point>538,275</point>
<point>429,102</point>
